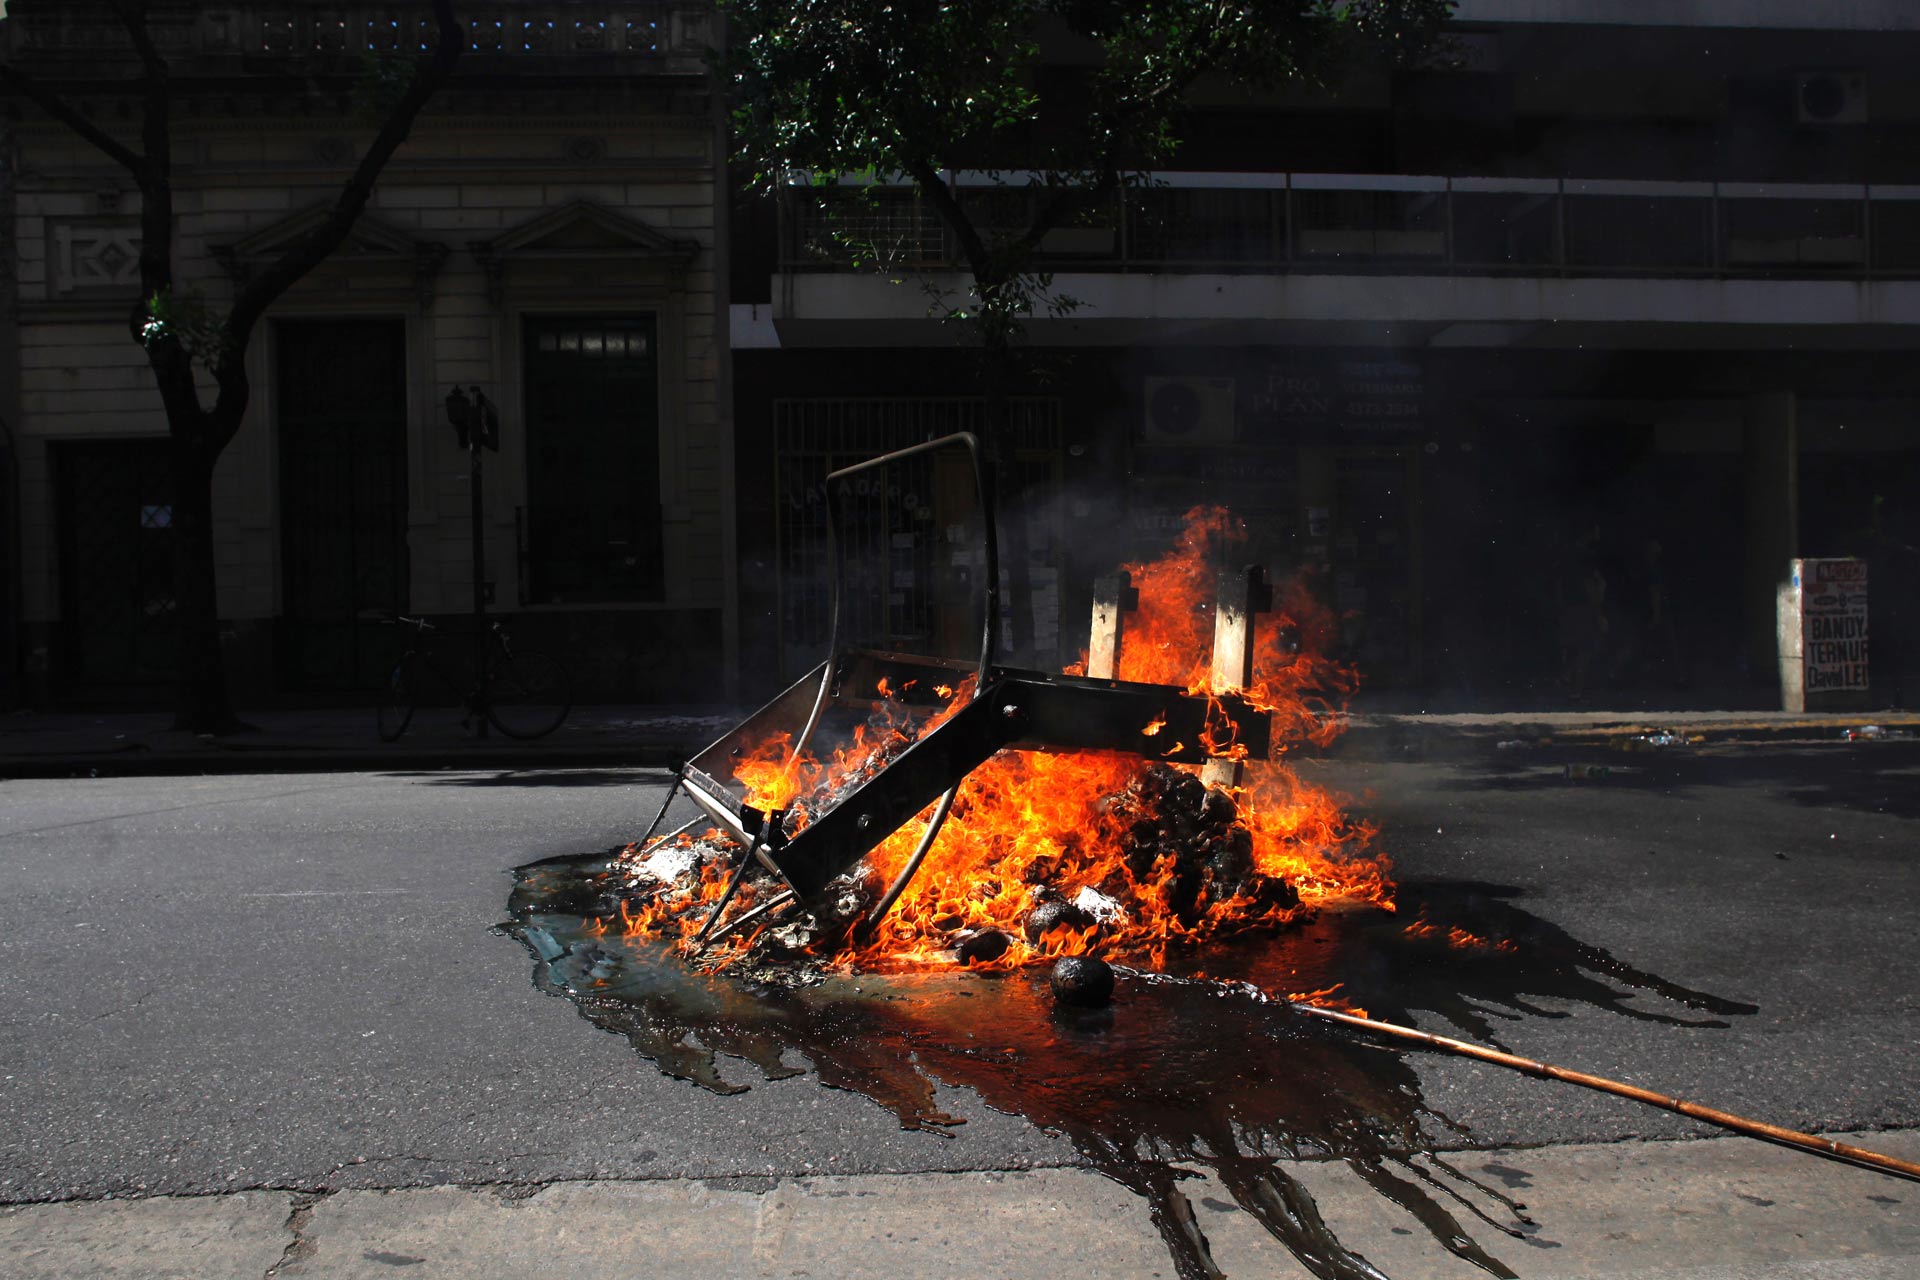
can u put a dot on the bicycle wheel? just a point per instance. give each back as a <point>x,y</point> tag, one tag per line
<point>396,699</point>
<point>527,695</point>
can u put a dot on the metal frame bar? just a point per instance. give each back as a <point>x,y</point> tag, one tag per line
<point>908,872</point>
<point>747,917</point>
<point>733,887</point>
<point>983,484</point>
<point>679,776</point>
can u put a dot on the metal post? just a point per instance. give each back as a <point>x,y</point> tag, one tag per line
<point>1113,598</point>
<point>479,587</point>
<point>478,427</point>
<point>1242,595</point>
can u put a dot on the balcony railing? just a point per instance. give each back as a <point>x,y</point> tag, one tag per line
<point>1263,222</point>
<point>321,28</point>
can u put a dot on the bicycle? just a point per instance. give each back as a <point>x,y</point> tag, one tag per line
<point>521,692</point>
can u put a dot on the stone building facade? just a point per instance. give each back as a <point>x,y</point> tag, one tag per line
<point>547,235</point>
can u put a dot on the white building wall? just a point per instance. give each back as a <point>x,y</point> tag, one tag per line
<point>83,377</point>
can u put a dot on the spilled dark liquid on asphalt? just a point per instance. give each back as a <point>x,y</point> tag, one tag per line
<point>1176,1077</point>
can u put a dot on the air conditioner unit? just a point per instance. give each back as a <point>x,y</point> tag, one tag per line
<point>1188,411</point>
<point>1830,97</point>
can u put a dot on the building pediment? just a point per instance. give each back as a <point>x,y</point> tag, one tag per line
<point>577,232</point>
<point>371,241</point>
<point>585,229</point>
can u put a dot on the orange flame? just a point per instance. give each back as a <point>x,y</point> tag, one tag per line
<point>1457,938</point>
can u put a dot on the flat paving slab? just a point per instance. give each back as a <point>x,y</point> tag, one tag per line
<point>163,1238</point>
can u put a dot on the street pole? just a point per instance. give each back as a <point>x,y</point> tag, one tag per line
<point>477,425</point>
<point>479,577</point>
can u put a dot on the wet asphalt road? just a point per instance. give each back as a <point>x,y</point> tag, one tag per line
<point>208,984</point>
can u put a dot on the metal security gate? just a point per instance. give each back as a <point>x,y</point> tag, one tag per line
<point>342,408</point>
<point>907,532</point>
<point>117,606</point>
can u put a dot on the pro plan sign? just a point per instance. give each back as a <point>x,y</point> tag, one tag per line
<point>1833,619</point>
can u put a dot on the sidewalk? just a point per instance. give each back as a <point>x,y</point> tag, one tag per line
<point>1399,735</point>
<point>1719,1209</point>
<point>83,744</point>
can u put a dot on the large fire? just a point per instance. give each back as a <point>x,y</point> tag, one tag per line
<point>1052,854</point>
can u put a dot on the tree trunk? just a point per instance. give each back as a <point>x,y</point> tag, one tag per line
<point>200,701</point>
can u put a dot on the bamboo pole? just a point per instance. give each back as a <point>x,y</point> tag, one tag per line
<point>1546,1070</point>
<point>1712,1115</point>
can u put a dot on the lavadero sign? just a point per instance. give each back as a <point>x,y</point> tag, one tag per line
<point>1833,621</point>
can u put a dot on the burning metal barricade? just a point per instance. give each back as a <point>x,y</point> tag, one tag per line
<point>970,710</point>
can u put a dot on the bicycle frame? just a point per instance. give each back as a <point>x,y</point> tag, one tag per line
<point>494,649</point>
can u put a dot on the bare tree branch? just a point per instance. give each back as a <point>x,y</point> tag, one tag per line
<point>979,258</point>
<point>69,115</point>
<point>311,249</point>
<point>133,16</point>
<point>156,182</point>
<point>171,362</point>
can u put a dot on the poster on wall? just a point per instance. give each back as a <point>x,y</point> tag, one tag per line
<point>1833,618</point>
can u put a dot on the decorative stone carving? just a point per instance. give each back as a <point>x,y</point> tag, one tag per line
<point>95,257</point>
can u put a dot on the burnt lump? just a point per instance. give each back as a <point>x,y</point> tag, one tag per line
<point>1054,913</point>
<point>1167,813</point>
<point>1084,981</point>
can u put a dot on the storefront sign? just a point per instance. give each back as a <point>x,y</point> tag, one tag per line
<point>1833,615</point>
<point>1341,401</point>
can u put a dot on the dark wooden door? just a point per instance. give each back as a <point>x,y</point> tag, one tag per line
<point>118,613</point>
<point>593,459</point>
<point>342,398</point>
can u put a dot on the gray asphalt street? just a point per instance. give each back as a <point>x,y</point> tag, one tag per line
<point>219,984</point>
